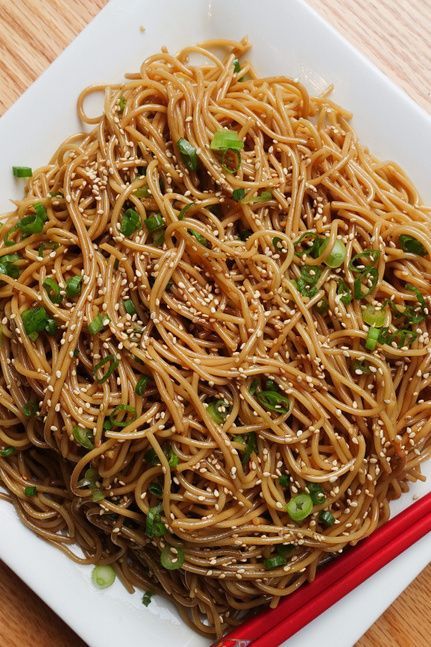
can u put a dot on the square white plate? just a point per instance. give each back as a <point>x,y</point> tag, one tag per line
<point>288,37</point>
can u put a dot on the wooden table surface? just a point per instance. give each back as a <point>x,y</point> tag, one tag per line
<point>395,34</point>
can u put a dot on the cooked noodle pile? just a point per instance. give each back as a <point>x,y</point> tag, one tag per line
<point>215,357</point>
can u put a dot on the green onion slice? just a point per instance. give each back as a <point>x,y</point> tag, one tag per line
<point>22,171</point>
<point>52,289</point>
<point>369,276</point>
<point>154,526</point>
<point>188,154</point>
<point>337,254</point>
<point>184,210</point>
<point>30,408</point>
<point>374,316</point>
<point>146,598</point>
<point>130,222</point>
<point>201,239</point>
<point>172,558</point>
<point>129,307</point>
<point>359,263</point>
<point>316,492</point>
<point>273,401</point>
<point>236,66</point>
<point>326,518</point>
<point>30,490</point>
<point>113,364</point>
<point>344,293</point>
<point>35,321</point>
<point>300,507</point>
<point>372,338</point>
<point>412,245</point>
<point>98,323</point>
<point>7,451</point>
<point>73,286</point>
<point>141,385</point>
<point>226,139</point>
<point>238,195</point>
<point>83,437</point>
<point>103,576</point>
<point>119,411</point>
<point>307,282</point>
<point>284,480</point>
<point>218,410</point>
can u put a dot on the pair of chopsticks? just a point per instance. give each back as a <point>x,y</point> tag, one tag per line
<point>333,582</point>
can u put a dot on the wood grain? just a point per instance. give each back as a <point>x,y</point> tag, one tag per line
<point>395,34</point>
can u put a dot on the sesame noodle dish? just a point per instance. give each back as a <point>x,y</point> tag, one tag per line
<point>215,361</point>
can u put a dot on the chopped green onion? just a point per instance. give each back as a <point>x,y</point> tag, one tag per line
<point>173,458</point>
<point>130,222</point>
<point>8,267</point>
<point>98,323</point>
<point>103,576</point>
<point>47,245</point>
<point>236,66</point>
<point>357,263</point>
<point>231,160</point>
<point>274,562</point>
<point>156,226</point>
<point>141,385</point>
<point>51,326</point>
<point>30,490</point>
<point>283,553</point>
<point>419,295</point>
<point>34,321</point>
<point>322,307</point>
<point>129,307</point>
<point>263,197</point>
<point>154,526</point>
<point>226,139</point>
<point>142,192</point>
<point>344,293</point>
<point>300,507</point>
<point>273,401</point>
<point>32,224</point>
<point>360,368</point>
<point>122,103</point>
<point>83,437</point>
<point>172,558</point>
<point>155,488</point>
<point>337,254</point>
<point>7,451</point>
<point>73,286</point>
<point>188,154</point>
<point>372,338</point>
<point>326,518</point>
<point>201,239</point>
<point>184,210</point>
<point>30,408</point>
<point>146,598</point>
<point>374,316</point>
<point>249,445</point>
<point>52,289</point>
<point>97,495</point>
<point>400,337</point>
<point>284,480</point>
<point>370,275</point>
<point>412,245</point>
<point>218,410</point>
<point>309,277</point>
<point>314,249</point>
<point>120,409</point>
<point>316,492</point>
<point>22,171</point>
<point>113,364</point>
<point>238,195</point>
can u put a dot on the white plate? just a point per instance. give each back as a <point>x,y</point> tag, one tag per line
<point>288,37</point>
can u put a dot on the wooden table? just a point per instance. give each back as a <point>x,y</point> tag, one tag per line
<point>393,33</point>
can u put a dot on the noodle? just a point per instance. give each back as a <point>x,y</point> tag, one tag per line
<point>198,343</point>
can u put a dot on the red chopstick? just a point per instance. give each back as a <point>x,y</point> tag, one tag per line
<point>336,579</point>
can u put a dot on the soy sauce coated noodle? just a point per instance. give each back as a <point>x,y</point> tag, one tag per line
<point>196,363</point>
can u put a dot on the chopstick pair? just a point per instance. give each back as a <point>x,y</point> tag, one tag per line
<point>271,627</point>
